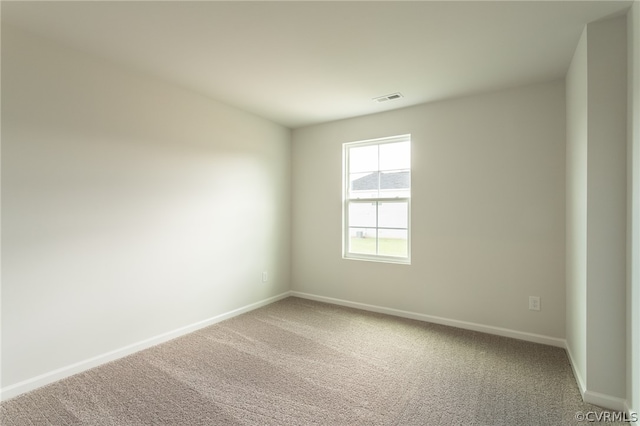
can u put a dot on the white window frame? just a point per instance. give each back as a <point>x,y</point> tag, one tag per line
<point>346,201</point>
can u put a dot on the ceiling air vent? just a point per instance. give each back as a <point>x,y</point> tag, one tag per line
<point>390,97</point>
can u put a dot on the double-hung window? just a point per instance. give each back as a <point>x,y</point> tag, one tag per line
<point>377,199</point>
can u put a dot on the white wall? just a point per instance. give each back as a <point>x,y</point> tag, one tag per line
<point>488,211</point>
<point>597,212</point>
<point>576,210</point>
<point>131,208</point>
<point>633,201</point>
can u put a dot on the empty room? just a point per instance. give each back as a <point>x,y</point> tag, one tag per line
<point>320,212</point>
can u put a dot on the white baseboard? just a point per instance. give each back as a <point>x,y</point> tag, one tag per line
<point>632,414</point>
<point>61,373</point>
<point>505,332</point>
<point>604,401</point>
<point>596,398</point>
<point>582,387</point>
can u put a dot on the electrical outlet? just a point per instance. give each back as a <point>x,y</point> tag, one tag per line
<point>265,277</point>
<point>534,303</point>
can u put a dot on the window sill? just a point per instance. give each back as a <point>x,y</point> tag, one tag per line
<point>379,259</point>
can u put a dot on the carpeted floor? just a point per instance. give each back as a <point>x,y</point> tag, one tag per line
<point>299,362</point>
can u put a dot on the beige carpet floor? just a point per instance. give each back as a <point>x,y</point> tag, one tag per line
<point>300,362</point>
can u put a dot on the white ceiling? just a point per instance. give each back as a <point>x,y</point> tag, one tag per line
<point>301,63</point>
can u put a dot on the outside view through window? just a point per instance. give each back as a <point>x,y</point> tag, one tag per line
<point>378,192</point>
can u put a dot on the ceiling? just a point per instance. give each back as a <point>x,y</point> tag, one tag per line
<point>299,63</point>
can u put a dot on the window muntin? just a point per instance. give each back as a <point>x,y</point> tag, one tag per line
<point>377,199</point>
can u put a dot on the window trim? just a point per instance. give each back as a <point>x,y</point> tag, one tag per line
<point>346,202</point>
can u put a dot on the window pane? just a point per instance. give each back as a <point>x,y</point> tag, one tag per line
<point>362,215</point>
<point>394,156</point>
<point>393,215</point>
<point>393,242</point>
<point>362,240</point>
<point>395,184</point>
<point>364,185</point>
<point>363,159</point>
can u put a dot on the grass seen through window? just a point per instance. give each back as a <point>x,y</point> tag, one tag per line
<point>387,246</point>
